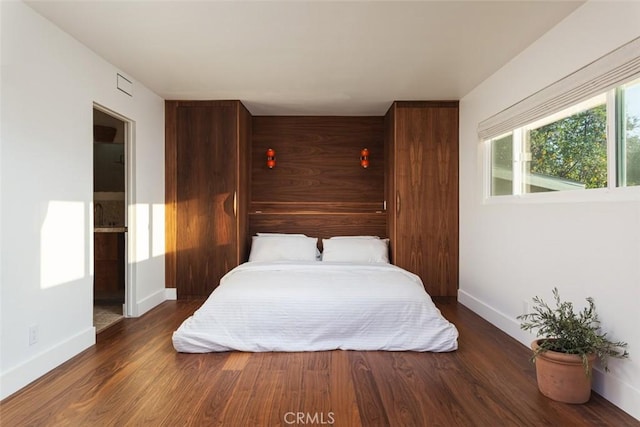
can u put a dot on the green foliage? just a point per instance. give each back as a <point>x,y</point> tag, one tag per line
<point>633,150</point>
<point>502,153</point>
<point>573,148</point>
<point>568,332</point>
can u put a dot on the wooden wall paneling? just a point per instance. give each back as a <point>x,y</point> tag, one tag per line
<point>317,207</point>
<point>319,225</point>
<point>318,159</point>
<point>318,186</point>
<point>170,192</point>
<point>389,178</point>
<point>319,219</point>
<point>244,181</point>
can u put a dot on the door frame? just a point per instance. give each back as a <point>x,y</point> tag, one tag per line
<point>129,307</point>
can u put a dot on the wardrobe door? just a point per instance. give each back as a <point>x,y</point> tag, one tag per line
<point>206,228</point>
<point>410,198</point>
<point>441,210</point>
<point>425,204</point>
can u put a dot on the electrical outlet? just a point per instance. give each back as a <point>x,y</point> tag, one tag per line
<point>33,335</point>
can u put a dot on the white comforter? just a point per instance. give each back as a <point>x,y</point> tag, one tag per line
<point>313,306</point>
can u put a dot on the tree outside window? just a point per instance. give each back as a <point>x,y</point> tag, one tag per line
<point>570,151</point>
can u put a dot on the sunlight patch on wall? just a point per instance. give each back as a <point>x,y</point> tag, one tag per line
<point>62,244</point>
<point>157,235</point>
<point>141,217</point>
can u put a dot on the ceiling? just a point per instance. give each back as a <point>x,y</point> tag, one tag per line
<point>307,58</point>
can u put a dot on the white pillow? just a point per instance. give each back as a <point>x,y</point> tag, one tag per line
<point>281,235</point>
<point>318,254</point>
<point>355,237</point>
<point>283,248</point>
<point>356,249</point>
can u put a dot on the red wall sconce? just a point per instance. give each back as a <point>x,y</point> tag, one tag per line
<point>364,158</point>
<point>271,158</point>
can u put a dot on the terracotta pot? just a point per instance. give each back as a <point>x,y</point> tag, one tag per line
<point>562,376</point>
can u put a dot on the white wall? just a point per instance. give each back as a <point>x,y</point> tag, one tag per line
<point>49,84</point>
<point>510,252</point>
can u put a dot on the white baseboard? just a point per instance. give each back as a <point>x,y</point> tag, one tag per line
<point>20,376</point>
<point>149,302</point>
<point>29,371</point>
<point>498,319</point>
<point>608,386</point>
<point>617,392</point>
<point>155,299</point>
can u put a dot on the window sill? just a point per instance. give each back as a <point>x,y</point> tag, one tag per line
<point>619,194</point>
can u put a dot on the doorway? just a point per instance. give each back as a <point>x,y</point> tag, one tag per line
<point>110,148</point>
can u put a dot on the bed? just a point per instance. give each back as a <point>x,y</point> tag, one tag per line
<point>288,298</point>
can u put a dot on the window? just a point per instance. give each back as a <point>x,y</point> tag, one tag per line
<point>502,165</point>
<point>581,132</point>
<point>628,130</point>
<point>569,150</point>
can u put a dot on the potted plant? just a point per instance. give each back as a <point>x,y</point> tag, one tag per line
<point>569,345</point>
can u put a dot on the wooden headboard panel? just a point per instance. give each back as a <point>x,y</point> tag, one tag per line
<point>315,223</point>
<point>318,186</point>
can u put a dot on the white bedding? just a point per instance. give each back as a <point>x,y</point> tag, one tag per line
<point>313,306</point>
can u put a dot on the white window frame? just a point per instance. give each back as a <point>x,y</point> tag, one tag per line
<point>521,156</point>
<point>612,192</point>
<point>612,143</point>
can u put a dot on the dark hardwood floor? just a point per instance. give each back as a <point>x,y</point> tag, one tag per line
<point>133,377</point>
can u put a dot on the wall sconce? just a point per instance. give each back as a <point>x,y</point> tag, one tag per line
<point>271,158</point>
<point>364,158</point>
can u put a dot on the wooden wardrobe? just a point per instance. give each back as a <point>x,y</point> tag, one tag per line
<point>207,166</point>
<point>421,191</point>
